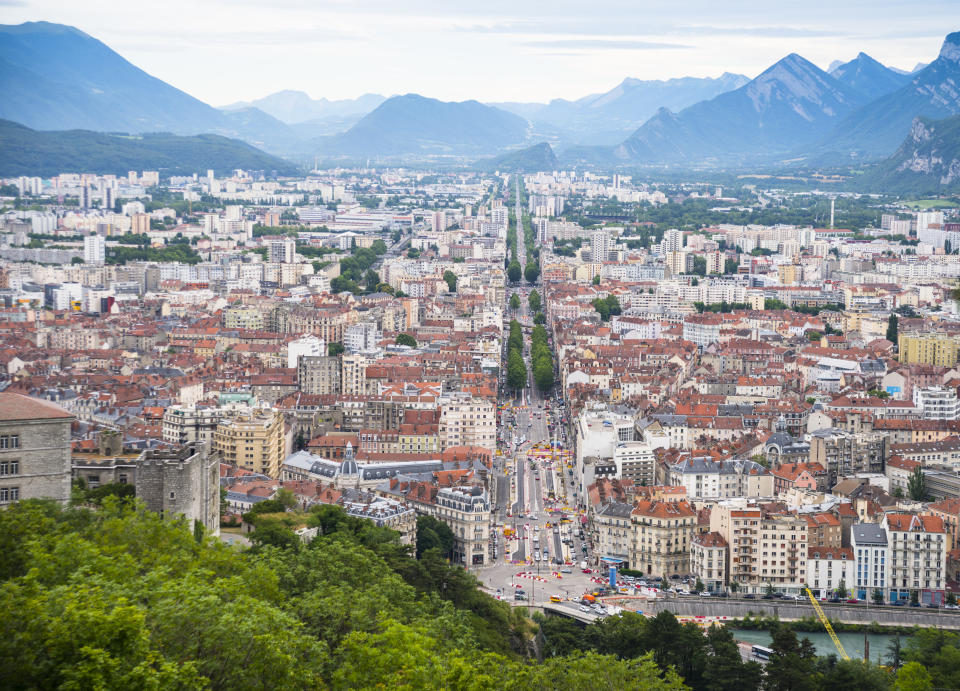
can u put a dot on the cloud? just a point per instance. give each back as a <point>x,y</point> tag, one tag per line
<point>603,44</point>
<point>13,3</point>
<point>770,31</point>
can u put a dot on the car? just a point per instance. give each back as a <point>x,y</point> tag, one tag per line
<point>852,601</point>
<point>835,600</point>
<point>749,596</point>
<point>914,604</point>
<point>586,570</point>
<point>565,571</point>
<point>723,594</point>
<point>556,598</point>
<point>951,606</point>
<point>932,605</point>
<point>584,608</point>
<point>705,593</point>
<point>899,603</point>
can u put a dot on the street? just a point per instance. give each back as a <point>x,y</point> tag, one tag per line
<point>539,541</point>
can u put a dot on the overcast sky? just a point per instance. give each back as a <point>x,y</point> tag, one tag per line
<point>223,51</point>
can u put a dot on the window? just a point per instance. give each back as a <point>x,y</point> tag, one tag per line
<point>9,468</point>
<point>9,494</point>
<point>9,441</point>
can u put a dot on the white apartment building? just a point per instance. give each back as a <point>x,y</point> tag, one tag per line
<point>635,462</point>
<point>361,337</point>
<point>705,478</point>
<point>918,556</point>
<point>828,568</point>
<point>308,345</point>
<point>94,249</point>
<point>281,250</point>
<point>937,403</point>
<point>869,543</point>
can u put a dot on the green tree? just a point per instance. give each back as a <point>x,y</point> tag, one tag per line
<point>596,280</point>
<point>514,302</point>
<point>451,279</point>
<point>534,301</point>
<point>516,370</point>
<point>433,534</point>
<point>877,596</point>
<point>851,674</point>
<point>842,590</point>
<point>895,653</point>
<point>917,485</point>
<point>913,677</point>
<point>791,665</point>
<point>334,348</point>
<point>725,669</point>
<point>514,272</point>
<point>531,272</point>
<point>539,319</point>
<point>406,339</point>
<point>892,327</point>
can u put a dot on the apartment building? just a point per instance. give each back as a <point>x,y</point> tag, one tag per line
<point>870,548</point>
<point>928,348</point>
<point>662,532</point>
<point>185,424</point>
<point>318,374</point>
<point>467,421</point>
<point>253,440</point>
<point>635,462</point>
<point>829,569</point>
<point>918,556</point>
<point>706,478</point>
<point>708,560</point>
<point>766,549</point>
<point>613,533</point>
<point>844,453</point>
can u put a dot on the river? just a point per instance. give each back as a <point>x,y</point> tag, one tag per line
<point>852,642</point>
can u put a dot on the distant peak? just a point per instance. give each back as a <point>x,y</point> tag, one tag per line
<point>951,47</point>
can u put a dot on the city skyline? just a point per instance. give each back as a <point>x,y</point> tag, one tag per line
<point>502,52</point>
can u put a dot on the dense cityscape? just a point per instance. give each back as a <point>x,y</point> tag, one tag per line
<point>477,420</point>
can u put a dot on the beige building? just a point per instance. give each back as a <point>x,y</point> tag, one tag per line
<point>708,560</point>
<point>661,537</point>
<point>613,532</point>
<point>918,556</point>
<point>764,549</point>
<point>253,441</point>
<point>467,421</point>
<point>183,424</point>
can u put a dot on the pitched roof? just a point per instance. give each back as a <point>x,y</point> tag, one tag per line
<point>14,406</point>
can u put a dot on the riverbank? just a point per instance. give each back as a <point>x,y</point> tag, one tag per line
<point>814,625</point>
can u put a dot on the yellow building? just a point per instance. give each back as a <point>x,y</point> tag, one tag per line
<point>789,274</point>
<point>254,441</point>
<point>930,348</point>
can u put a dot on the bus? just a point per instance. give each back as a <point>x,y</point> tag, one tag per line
<point>759,652</point>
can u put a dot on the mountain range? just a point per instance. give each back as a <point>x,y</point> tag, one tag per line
<point>788,107</point>
<point>55,77</point>
<point>30,152</point>
<point>608,117</point>
<point>927,161</point>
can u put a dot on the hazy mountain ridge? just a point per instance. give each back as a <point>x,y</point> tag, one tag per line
<point>30,152</point>
<point>414,124</point>
<point>790,103</point>
<point>879,127</point>
<point>927,161</point>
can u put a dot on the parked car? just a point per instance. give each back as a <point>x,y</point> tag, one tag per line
<point>852,601</point>
<point>899,603</point>
<point>749,596</point>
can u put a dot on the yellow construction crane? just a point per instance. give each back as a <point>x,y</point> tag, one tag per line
<point>826,625</point>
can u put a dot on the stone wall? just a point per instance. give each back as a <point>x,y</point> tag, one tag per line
<point>42,458</point>
<point>183,482</point>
